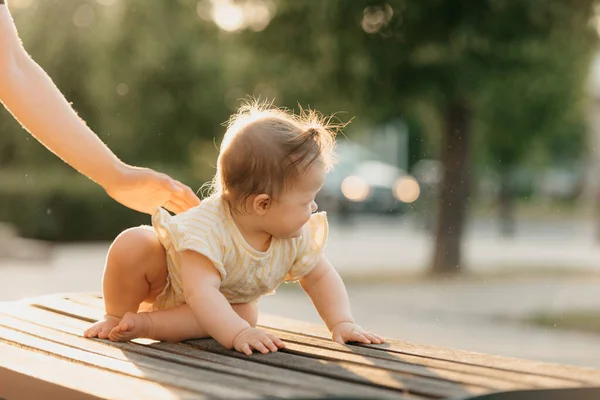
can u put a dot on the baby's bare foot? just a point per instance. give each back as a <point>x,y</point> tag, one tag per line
<point>102,328</point>
<point>132,326</point>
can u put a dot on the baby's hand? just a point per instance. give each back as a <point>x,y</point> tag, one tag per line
<point>349,332</point>
<point>257,339</point>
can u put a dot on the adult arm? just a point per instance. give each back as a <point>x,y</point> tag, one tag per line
<point>29,94</point>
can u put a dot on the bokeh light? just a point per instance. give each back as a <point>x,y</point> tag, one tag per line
<point>84,16</point>
<point>228,15</point>
<point>407,189</point>
<point>122,89</point>
<point>355,189</point>
<point>376,17</point>
<point>234,16</point>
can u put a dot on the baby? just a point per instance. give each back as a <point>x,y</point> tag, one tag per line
<point>201,273</point>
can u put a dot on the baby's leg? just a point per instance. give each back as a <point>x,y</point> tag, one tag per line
<point>135,272</point>
<point>172,325</point>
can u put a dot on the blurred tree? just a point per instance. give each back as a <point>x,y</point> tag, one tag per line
<point>379,56</point>
<point>156,81</point>
<point>537,107</point>
<point>163,80</point>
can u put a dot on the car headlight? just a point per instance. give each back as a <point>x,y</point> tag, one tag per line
<point>355,188</point>
<point>406,189</point>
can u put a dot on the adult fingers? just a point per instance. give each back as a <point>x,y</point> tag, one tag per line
<point>184,196</point>
<point>174,206</point>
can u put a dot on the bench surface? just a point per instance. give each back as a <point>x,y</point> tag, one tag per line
<point>43,355</point>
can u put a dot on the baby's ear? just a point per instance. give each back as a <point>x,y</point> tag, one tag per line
<point>261,204</point>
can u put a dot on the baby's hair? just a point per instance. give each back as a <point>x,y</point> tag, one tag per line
<point>267,149</point>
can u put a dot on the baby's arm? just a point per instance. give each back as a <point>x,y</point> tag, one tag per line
<point>201,282</point>
<point>328,293</point>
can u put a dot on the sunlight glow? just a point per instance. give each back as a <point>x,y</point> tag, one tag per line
<point>232,16</point>
<point>595,20</point>
<point>259,14</point>
<point>228,16</point>
<point>20,3</point>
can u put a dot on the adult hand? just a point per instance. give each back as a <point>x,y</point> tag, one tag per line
<point>144,190</point>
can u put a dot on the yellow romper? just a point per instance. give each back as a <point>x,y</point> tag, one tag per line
<point>246,273</point>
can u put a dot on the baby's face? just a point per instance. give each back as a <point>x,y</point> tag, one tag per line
<point>291,212</point>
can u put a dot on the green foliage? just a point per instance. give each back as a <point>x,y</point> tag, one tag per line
<point>542,104</point>
<point>156,82</point>
<point>50,205</point>
<point>578,320</point>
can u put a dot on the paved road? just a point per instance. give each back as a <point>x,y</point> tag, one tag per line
<point>402,245</point>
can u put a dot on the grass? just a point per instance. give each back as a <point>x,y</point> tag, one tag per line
<point>538,210</point>
<point>582,320</point>
<point>506,274</point>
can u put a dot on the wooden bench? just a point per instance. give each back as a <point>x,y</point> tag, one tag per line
<point>44,356</point>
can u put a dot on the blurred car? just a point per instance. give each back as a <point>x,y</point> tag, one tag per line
<point>362,183</point>
<point>561,183</point>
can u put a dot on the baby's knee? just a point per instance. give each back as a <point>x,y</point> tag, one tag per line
<point>135,245</point>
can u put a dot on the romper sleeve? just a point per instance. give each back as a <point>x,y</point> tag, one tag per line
<point>310,247</point>
<point>189,231</point>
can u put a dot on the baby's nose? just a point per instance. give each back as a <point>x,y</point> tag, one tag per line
<point>314,207</point>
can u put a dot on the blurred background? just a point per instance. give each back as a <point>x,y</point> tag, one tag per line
<point>464,211</point>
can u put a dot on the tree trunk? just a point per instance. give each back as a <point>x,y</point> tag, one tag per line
<point>454,191</point>
<point>506,205</point>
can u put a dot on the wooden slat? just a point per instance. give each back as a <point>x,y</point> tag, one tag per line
<point>352,372</point>
<point>205,383</point>
<point>584,376</point>
<point>203,373</point>
<point>26,375</point>
<point>362,374</point>
<point>331,387</point>
<point>502,378</point>
<point>467,373</point>
<point>50,329</point>
<point>69,308</point>
<point>69,332</point>
<point>90,300</point>
<point>93,310</point>
<point>435,388</point>
<point>460,372</point>
<point>403,367</point>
